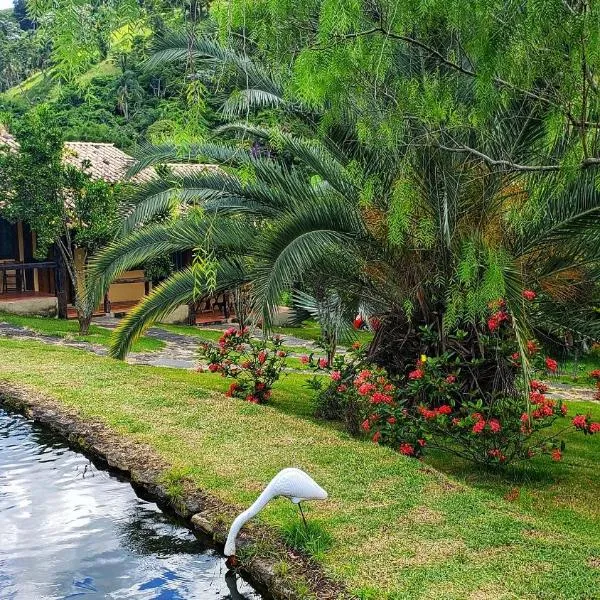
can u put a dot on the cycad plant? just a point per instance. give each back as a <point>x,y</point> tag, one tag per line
<point>421,237</point>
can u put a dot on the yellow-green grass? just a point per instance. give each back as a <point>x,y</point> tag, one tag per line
<point>69,330</point>
<point>398,528</point>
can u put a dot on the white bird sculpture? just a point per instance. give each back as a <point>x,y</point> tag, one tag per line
<point>293,484</point>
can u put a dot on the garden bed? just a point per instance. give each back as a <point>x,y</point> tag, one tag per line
<point>393,526</point>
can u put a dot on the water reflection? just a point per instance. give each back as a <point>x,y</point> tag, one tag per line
<point>70,530</point>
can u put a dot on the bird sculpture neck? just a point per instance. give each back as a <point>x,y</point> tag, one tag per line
<point>244,517</point>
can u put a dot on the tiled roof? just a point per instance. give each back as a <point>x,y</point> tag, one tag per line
<point>106,161</point>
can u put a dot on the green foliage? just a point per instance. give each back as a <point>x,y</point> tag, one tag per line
<point>56,200</point>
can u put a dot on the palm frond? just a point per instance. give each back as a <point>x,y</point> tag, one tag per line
<point>180,288</point>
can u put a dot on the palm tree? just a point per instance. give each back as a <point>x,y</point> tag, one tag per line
<point>423,237</point>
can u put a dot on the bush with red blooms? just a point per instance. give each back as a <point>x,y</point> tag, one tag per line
<point>595,374</point>
<point>426,410</point>
<point>254,364</point>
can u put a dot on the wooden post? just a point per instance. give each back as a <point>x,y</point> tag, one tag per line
<point>62,281</point>
<point>36,276</point>
<point>20,274</point>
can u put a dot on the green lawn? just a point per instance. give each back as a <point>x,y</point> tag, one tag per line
<point>208,335</point>
<point>69,330</point>
<point>577,372</point>
<point>399,529</point>
<point>310,330</point>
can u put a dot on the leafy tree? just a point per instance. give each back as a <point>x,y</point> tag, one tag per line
<point>439,72</point>
<point>66,209</point>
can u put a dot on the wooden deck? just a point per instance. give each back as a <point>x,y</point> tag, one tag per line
<point>16,296</point>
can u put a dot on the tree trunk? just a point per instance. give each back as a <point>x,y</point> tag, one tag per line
<point>84,322</point>
<point>84,312</point>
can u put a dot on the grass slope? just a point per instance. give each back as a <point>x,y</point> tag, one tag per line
<point>69,330</point>
<point>398,529</point>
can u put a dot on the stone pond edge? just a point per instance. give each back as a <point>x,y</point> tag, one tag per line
<point>199,510</point>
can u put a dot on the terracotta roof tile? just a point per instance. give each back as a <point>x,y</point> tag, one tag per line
<point>106,161</point>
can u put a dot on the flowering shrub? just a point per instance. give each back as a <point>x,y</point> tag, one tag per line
<point>254,364</point>
<point>333,399</point>
<point>426,410</point>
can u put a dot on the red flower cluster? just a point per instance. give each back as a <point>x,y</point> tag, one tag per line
<point>497,319</point>
<point>416,374</point>
<point>538,386</point>
<point>532,347</point>
<point>595,374</point>
<point>432,413</point>
<point>358,322</point>
<point>585,424</point>
<point>406,449</point>
<point>551,364</point>
<point>529,295</point>
<point>480,425</point>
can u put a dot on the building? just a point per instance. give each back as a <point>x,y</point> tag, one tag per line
<point>30,286</point>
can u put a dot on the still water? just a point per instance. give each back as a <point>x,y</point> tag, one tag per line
<point>70,530</point>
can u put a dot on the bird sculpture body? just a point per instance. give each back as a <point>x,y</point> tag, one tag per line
<point>293,484</point>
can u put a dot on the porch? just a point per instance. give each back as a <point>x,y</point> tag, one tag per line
<point>28,288</point>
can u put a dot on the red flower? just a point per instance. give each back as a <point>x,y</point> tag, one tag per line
<point>358,322</point>
<point>336,375</point>
<point>281,353</point>
<point>556,454</point>
<point>551,364</point>
<point>365,389</point>
<point>532,346</point>
<point>416,374</point>
<point>356,346</point>
<point>214,367</point>
<point>391,420</point>
<point>494,425</point>
<point>377,437</point>
<point>451,379</point>
<point>406,449</point>
<point>252,399</point>
<point>595,374</point>
<point>365,425</point>
<point>379,398</point>
<point>493,323</point>
<point>342,388</point>
<point>529,295</point>
<point>564,409</point>
<point>262,357</point>
<point>375,323</point>
<point>445,409</point>
<point>427,413</point>
<point>304,359</point>
<point>323,363</point>
<point>538,386</point>
<point>515,356</point>
<point>421,442</point>
<point>537,397</point>
<point>580,422</point>
<point>594,427</point>
<point>479,426</point>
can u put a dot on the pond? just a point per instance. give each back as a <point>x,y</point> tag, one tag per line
<point>71,530</point>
